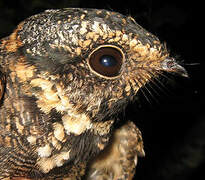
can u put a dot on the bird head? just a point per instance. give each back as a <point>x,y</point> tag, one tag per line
<point>93,61</point>
<point>68,73</point>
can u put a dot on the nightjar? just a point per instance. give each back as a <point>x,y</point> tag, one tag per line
<point>65,74</point>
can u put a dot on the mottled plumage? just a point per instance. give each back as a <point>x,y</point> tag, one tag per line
<point>64,77</point>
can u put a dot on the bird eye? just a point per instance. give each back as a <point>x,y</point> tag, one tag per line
<point>106,61</point>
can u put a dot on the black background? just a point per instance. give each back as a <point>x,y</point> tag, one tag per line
<point>172,122</point>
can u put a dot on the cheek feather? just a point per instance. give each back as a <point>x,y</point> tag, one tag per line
<point>24,72</point>
<point>47,98</point>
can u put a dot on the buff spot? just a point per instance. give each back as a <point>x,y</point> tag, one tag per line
<point>76,124</point>
<point>133,43</point>
<point>48,98</point>
<point>58,131</point>
<point>46,164</point>
<point>101,146</point>
<point>24,72</point>
<point>31,139</point>
<point>83,29</point>
<point>125,37</point>
<point>19,127</point>
<point>44,151</point>
<point>55,143</point>
<point>61,158</point>
<point>78,51</point>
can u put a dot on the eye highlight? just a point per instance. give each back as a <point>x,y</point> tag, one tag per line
<point>106,61</point>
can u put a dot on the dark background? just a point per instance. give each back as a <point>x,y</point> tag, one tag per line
<point>172,122</point>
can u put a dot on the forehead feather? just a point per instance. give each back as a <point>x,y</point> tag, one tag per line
<point>70,28</point>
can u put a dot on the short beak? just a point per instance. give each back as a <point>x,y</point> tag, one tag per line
<point>170,65</point>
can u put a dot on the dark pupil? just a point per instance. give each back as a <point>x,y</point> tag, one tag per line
<point>108,61</point>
